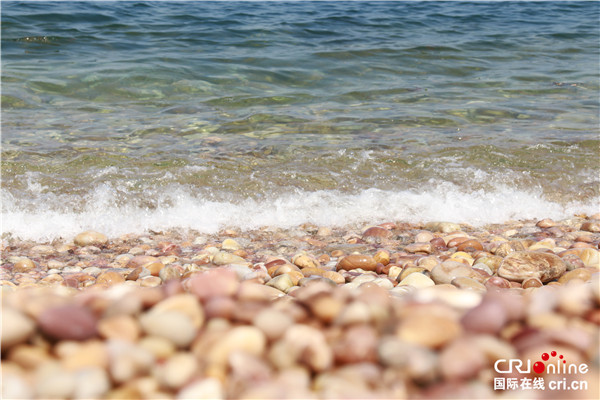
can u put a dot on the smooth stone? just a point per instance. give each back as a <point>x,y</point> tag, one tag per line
<point>169,273</point>
<point>273,323</point>
<point>377,232</point>
<point>417,280</point>
<point>214,283</point>
<point>424,236</point>
<point>110,278</point>
<point>305,261</point>
<point>248,339</point>
<point>429,330</point>
<point>423,247</point>
<point>507,248</point>
<point>184,303</point>
<point>16,327</point>
<point>177,370</point>
<point>545,223</point>
<point>465,283</point>
<point>225,258</point>
<point>521,265</point>
<point>119,327</point>
<point>358,344</point>
<point>127,361</point>
<point>230,244</point>
<point>488,317</point>
<point>326,307</point>
<point>302,343</point>
<point>532,282</point>
<point>281,282</point>
<point>159,347</point>
<point>51,381</point>
<point>382,256</point>
<point>381,282</point>
<point>24,264</point>
<point>334,276</point>
<point>91,383</point>
<point>152,264</point>
<point>68,322</point>
<point>444,227</point>
<point>497,282</point>
<point>208,388</point>
<point>174,326</point>
<point>356,261</point>
<point>451,269</point>
<point>15,386</point>
<point>90,238</point>
<point>43,250</point>
<point>591,226</point>
<point>583,274</point>
<point>460,360</point>
<point>470,245</point>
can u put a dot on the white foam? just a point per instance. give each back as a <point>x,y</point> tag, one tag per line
<point>177,207</point>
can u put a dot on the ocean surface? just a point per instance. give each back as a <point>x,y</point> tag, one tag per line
<point>125,117</point>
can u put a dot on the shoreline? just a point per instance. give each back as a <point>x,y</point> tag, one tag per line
<point>395,310</point>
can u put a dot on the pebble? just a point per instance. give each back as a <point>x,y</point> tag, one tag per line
<point>356,261</point>
<point>305,261</point>
<point>422,247</point>
<point>521,265</point>
<point>68,322</point>
<point>429,329</point>
<point>582,274</point>
<point>448,270</point>
<point>90,238</point>
<point>119,327</point>
<point>171,325</point>
<point>224,258</point>
<point>591,226</point>
<point>24,264</point>
<point>417,280</point>
<point>208,388</point>
<point>338,333</point>
<point>377,232</point>
<point>16,327</point>
<point>281,282</point>
<point>488,317</point>
<point>444,227</point>
<point>176,371</point>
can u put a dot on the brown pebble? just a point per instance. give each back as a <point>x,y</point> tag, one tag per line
<point>68,322</point>
<point>23,265</point>
<point>355,261</point>
<point>470,246</point>
<point>90,238</point>
<point>582,274</point>
<point>521,265</point>
<point>438,244</point>
<point>110,278</point>
<point>591,226</point>
<point>377,232</point>
<point>545,223</point>
<point>497,282</point>
<point>532,282</point>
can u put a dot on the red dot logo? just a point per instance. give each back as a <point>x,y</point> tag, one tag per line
<point>545,356</point>
<point>539,367</point>
<point>553,354</point>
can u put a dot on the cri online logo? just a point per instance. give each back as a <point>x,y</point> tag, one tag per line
<point>557,366</point>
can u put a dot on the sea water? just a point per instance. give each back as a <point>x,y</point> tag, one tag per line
<point>125,117</point>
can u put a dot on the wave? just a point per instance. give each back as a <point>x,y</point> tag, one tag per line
<point>181,209</point>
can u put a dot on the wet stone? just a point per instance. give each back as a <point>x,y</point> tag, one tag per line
<point>356,261</point>
<point>90,238</point>
<point>521,265</point>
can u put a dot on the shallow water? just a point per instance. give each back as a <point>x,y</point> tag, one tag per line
<point>128,116</point>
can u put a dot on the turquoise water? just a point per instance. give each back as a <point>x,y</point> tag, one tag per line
<point>128,116</point>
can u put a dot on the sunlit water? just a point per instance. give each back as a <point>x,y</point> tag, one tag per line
<point>129,116</point>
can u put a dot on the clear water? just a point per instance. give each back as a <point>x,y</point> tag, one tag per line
<point>129,116</point>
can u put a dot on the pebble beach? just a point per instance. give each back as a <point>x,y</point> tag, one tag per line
<point>388,311</point>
